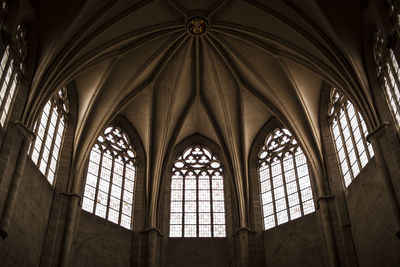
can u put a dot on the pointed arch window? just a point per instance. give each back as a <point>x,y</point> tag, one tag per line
<point>110,180</point>
<point>388,71</point>
<point>11,67</point>
<point>286,192</point>
<point>197,195</point>
<point>49,129</point>
<point>391,80</point>
<point>349,132</point>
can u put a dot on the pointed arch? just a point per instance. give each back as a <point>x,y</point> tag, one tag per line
<point>281,184</point>
<point>222,184</point>
<point>11,72</point>
<point>349,133</point>
<point>49,129</point>
<point>111,177</point>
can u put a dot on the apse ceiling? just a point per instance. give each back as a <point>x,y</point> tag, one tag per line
<point>221,69</point>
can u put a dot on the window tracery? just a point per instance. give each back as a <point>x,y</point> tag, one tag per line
<point>197,195</point>
<point>11,68</point>
<point>49,129</point>
<point>110,180</point>
<point>286,192</point>
<point>349,132</point>
<point>394,11</point>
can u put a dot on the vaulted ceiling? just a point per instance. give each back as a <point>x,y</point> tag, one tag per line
<point>255,60</point>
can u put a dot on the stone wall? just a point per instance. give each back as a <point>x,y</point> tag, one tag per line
<point>29,221</point>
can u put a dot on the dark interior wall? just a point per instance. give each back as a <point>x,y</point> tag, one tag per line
<point>23,246</point>
<point>100,243</point>
<point>372,222</point>
<point>197,252</point>
<point>296,243</point>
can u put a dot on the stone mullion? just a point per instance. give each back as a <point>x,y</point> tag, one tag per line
<point>346,153</point>
<point>52,145</point>
<point>284,188</point>
<point>272,194</point>
<point>396,78</point>
<point>36,130</point>
<point>7,91</point>
<point>363,138</point>
<point>183,200</point>
<point>110,185</point>
<point>296,173</point>
<point>211,205</point>
<point>121,201</point>
<point>98,179</point>
<point>197,206</point>
<point>393,93</point>
<point>351,131</point>
<point>45,134</point>
<point>388,88</point>
<point>6,67</point>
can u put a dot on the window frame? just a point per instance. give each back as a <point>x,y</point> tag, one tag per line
<point>180,158</point>
<point>266,159</point>
<point>339,103</point>
<point>108,146</point>
<point>15,54</point>
<point>58,104</point>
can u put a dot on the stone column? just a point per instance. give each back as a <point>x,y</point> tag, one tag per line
<point>327,229</point>
<point>242,250</point>
<point>153,247</point>
<point>27,136</point>
<point>374,138</point>
<point>74,203</point>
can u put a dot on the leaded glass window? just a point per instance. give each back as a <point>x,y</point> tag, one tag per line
<point>349,132</point>
<point>11,67</point>
<point>286,192</point>
<point>49,129</point>
<point>389,75</point>
<point>197,195</point>
<point>110,180</point>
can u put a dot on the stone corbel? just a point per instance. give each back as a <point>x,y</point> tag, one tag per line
<point>27,133</point>
<point>377,132</point>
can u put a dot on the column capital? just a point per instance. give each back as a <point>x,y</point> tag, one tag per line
<point>74,196</point>
<point>153,229</point>
<point>243,229</point>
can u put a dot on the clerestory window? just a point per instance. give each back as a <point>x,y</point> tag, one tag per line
<point>390,76</point>
<point>110,180</point>
<point>197,195</point>
<point>11,67</point>
<point>49,129</point>
<point>286,192</point>
<point>349,132</point>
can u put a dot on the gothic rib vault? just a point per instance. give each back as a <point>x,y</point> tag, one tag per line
<point>253,61</point>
